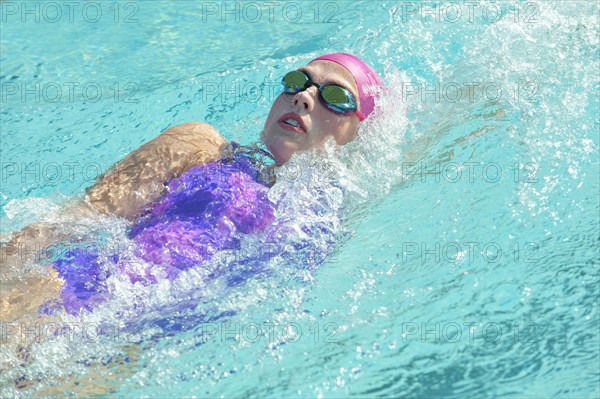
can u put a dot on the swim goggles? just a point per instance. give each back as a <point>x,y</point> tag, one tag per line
<point>334,97</point>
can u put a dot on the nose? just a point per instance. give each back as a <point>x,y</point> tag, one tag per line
<point>305,100</point>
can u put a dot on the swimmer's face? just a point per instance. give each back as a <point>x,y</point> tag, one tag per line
<point>318,123</point>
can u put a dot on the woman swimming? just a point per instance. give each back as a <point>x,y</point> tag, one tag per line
<point>215,192</point>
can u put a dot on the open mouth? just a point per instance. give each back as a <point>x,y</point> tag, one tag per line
<point>292,122</point>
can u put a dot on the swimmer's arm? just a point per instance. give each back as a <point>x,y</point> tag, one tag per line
<point>138,179</point>
<point>123,190</point>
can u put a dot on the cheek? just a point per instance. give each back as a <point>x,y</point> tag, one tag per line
<point>335,125</point>
<point>348,136</point>
<point>274,109</point>
<point>344,130</point>
<point>271,121</point>
<point>325,123</point>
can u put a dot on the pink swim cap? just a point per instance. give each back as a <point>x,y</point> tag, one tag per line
<point>363,75</point>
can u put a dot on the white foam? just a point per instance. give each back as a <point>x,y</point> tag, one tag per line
<point>28,209</point>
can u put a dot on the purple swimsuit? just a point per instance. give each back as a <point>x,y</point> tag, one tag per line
<point>205,210</point>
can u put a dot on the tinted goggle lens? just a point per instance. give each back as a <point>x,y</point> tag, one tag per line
<point>294,82</point>
<point>333,96</point>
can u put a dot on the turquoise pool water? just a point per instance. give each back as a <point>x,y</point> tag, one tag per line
<point>467,219</point>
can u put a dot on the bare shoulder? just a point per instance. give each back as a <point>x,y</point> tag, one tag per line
<point>196,142</point>
<point>139,178</point>
<point>196,135</point>
<point>200,142</point>
<point>194,129</point>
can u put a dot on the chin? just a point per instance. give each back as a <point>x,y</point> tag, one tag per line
<point>279,159</point>
<point>279,148</point>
